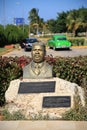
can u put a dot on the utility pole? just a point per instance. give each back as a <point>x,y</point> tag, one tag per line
<point>23,17</point>
<point>23,20</point>
<point>4,18</point>
<point>29,29</point>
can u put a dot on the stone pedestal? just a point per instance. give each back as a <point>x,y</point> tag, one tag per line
<point>31,104</point>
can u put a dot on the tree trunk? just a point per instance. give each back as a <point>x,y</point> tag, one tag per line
<point>86,32</point>
<point>75,33</point>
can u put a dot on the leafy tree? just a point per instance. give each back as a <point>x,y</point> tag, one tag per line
<point>34,19</point>
<point>37,24</point>
<point>13,34</point>
<point>33,16</point>
<point>83,18</point>
<point>52,25</point>
<point>58,25</point>
<point>73,21</point>
<point>45,27</point>
<point>77,19</point>
<point>2,36</point>
<point>61,22</point>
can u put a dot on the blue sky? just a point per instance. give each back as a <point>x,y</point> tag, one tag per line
<point>48,9</point>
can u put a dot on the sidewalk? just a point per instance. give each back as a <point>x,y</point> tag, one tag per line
<point>43,125</point>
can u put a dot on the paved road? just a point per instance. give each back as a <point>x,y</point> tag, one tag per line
<point>63,53</point>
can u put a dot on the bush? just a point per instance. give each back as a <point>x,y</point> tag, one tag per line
<point>71,69</point>
<point>12,34</point>
<point>15,116</point>
<point>77,41</point>
<point>85,43</point>
<point>10,68</point>
<point>76,115</point>
<point>2,36</point>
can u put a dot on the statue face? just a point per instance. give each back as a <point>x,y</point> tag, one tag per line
<point>38,53</point>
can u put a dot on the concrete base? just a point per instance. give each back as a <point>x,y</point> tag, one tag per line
<point>31,104</point>
<point>43,125</point>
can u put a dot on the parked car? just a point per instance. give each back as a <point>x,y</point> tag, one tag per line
<point>59,41</point>
<point>22,43</point>
<point>27,43</point>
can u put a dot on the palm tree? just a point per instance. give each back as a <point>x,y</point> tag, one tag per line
<point>34,19</point>
<point>33,16</point>
<point>83,18</point>
<point>36,23</point>
<point>77,19</point>
<point>73,21</point>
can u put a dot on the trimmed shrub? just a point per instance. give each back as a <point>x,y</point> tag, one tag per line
<point>77,41</point>
<point>71,69</point>
<point>10,68</point>
<point>76,115</point>
<point>85,43</point>
<point>15,116</point>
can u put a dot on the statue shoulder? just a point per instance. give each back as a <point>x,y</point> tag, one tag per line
<point>27,66</point>
<point>48,66</point>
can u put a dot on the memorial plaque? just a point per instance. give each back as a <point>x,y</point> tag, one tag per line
<point>36,87</point>
<point>56,101</point>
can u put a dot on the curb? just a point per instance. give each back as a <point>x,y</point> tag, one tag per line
<point>76,47</point>
<point>79,47</point>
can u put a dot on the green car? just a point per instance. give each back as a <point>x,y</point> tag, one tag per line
<point>59,41</point>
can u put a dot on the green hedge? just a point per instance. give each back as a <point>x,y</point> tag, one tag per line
<point>71,69</point>
<point>10,68</point>
<point>12,34</point>
<point>85,43</point>
<point>77,41</point>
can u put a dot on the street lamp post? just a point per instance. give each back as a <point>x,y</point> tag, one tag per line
<point>29,29</point>
<point>18,3</point>
<point>4,18</point>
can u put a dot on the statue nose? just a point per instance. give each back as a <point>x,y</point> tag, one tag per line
<point>37,52</point>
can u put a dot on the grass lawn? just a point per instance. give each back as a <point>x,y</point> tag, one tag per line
<point>8,48</point>
<point>3,50</point>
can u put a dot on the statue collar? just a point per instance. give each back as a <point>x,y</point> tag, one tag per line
<point>34,65</point>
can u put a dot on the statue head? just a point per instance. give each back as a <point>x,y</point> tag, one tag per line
<point>38,52</point>
<point>38,68</point>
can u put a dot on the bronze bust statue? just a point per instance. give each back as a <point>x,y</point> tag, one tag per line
<point>38,68</point>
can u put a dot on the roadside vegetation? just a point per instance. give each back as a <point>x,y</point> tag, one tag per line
<point>5,50</point>
<point>72,22</point>
<point>2,49</point>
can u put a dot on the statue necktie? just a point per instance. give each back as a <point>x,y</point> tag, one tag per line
<point>37,69</point>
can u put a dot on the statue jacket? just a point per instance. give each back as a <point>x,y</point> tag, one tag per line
<point>45,71</point>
